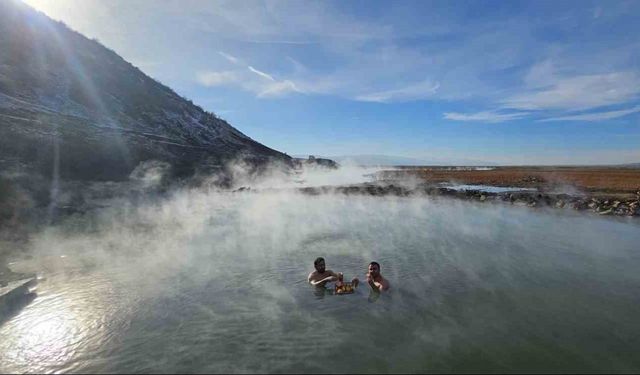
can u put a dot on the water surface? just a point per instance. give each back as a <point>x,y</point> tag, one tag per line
<point>217,283</point>
<point>485,188</point>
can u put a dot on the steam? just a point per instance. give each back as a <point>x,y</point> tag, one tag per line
<point>256,227</point>
<point>278,176</point>
<point>150,174</point>
<point>448,262</point>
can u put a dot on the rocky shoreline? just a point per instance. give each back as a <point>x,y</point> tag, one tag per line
<point>601,205</point>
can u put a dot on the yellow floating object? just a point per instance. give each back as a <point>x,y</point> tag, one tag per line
<point>346,288</point>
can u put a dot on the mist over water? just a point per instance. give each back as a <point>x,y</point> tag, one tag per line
<point>207,281</point>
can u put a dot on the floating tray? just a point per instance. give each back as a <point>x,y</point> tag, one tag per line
<point>346,288</point>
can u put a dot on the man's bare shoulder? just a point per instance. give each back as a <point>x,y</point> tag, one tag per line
<point>315,275</point>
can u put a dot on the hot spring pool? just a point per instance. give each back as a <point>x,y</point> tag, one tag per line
<point>217,283</point>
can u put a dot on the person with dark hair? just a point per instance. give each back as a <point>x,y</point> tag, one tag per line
<point>375,279</point>
<point>321,275</point>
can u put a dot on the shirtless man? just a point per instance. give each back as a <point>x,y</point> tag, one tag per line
<point>375,279</point>
<point>321,275</point>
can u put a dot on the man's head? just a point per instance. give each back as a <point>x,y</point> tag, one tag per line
<point>374,269</point>
<point>319,264</point>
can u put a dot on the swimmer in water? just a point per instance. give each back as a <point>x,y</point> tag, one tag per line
<point>375,279</point>
<point>321,275</point>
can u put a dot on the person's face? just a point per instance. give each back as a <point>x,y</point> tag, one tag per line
<point>374,270</point>
<point>320,267</point>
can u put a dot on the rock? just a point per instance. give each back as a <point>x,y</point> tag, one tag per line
<point>579,205</point>
<point>606,212</point>
<point>592,205</point>
<point>616,204</point>
<point>559,204</point>
<point>622,210</point>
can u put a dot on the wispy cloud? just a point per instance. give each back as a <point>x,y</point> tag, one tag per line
<point>367,57</point>
<point>276,89</point>
<point>230,58</point>
<point>371,61</point>
<point>580,93</point>
<point>599,116</point>
<point>212,79</point>
<point>485,116</point>
<point>261,74</point>
<point>421,90</point>
<point>293,42</point>
<point>262,84</point>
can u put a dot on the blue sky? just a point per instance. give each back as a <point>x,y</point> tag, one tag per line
<point>538,82</point>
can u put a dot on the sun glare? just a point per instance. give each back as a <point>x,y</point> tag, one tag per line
<point>57,9</point>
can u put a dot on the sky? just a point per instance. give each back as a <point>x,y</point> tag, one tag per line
<point>511,82</point>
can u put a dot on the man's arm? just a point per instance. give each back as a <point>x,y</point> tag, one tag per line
<point>332,277</point>
<point>384,285</point>
<point>378,286</point>
<point>323,281</point>
<point>372,283</point>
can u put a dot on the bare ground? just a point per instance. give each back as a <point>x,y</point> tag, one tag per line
<point>595,181</point>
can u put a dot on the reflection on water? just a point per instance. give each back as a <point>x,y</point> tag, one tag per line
<point>70,318</point>
<point>485,188</point>
<point>218,284</point>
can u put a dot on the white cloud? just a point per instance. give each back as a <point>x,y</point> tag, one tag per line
<point>541,75</point>
<point>294,42</point>
<point>262,84</point>
<point>211,79</point>
<point>363,57</point>
<point>261,74</point>
<point>485,116</point>
<point>421,90</point>
<point>596,116</point>
<point>580,93</point>
<point>230,58</point>
<point>298,67</point>
<point>276,89</point>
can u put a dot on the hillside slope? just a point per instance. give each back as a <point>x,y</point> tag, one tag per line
<point>72,107</point>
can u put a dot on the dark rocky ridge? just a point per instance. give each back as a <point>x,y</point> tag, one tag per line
<point>73,108</point>
<point>602,205</point>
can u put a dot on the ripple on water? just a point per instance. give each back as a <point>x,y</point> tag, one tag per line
<point>491,289</point>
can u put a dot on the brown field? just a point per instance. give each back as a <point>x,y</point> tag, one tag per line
<point>592,180</point>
